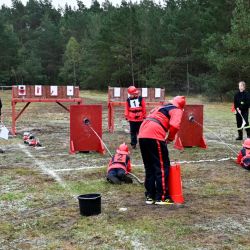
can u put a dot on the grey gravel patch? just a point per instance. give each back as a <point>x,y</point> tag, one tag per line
<point>226,226</point>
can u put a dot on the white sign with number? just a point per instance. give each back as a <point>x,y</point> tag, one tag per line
<point>134,103</point>
<point>38,90</point>
<point>70,90</point>
<point>53,90</point>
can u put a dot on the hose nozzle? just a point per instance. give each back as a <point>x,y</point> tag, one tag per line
<point>86,121</point>
<point>191,118</point>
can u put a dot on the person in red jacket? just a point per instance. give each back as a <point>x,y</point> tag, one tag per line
<point>158,129</point>
<point>243,158</point>
<point>135,112</point>
<point>119,166</point>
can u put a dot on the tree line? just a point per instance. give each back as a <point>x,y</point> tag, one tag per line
<point>188,46</point>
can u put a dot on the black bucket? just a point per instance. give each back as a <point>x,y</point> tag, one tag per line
<point>90,204</point>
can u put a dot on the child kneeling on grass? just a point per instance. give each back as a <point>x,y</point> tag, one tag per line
<point>243,158</point>
<point>119,166</point>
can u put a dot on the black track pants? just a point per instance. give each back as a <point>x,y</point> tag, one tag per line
<point>156,162</point>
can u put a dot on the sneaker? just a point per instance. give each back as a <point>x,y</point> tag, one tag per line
<point>166,202</point>
<point>149,200</point>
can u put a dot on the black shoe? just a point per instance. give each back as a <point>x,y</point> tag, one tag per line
<point>133,146</point>
<point>127,179</point>
<point>113,179</point>
<point>239,138</point>
<point>1,151</point>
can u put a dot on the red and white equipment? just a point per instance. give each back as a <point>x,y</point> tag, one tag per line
<point>31,140</point>
<point>34,142</point>
<point>26,136</point>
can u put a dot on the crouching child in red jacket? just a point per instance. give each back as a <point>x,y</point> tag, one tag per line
<point>243,158</point>
<point>119,166</point>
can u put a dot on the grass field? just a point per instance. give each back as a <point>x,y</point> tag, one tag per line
<point>38,208</point>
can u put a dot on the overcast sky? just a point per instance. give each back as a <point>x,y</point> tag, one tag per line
<point>61,3</point>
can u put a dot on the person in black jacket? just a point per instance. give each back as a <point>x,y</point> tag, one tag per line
<point>0,110</point>
<point>1,151</point>
<point>241,105</point>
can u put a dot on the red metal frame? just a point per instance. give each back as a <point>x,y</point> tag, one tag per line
<point>116,102</point>
<point>43,98</point>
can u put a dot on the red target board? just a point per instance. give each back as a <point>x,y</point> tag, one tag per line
<point>191,129</point>
<point>85,128</point>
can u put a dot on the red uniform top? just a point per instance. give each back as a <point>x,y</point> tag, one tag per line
<point>163,119</point>
<point>120,161</point>
<point>243,158</point>
<point>135,109</point>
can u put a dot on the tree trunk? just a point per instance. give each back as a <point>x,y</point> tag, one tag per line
<point>132,63</point>
<point>188,83</point>
<point>74,68</point>
<point>187,74</point>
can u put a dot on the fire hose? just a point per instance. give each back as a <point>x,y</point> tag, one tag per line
<point>86,122</point>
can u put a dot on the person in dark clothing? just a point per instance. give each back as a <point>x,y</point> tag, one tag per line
<point>1,109</point>
<point>135,112</point>
<point>1,151</point>
<point>241,105</point>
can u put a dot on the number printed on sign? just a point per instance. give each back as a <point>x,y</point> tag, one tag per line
<point>134,103</point>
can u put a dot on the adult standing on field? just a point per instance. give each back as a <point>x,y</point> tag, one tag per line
<point>1,151</point>
<point>159,128</point>
<point>0,110</point>
<point>135,112</point>
<point>241,105</point>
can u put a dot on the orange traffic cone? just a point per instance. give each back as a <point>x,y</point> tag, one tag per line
<point>175,183</point>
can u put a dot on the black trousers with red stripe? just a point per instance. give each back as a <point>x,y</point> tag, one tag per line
<point>156,162</point>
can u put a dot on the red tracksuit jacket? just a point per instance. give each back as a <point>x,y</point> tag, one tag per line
<point>120,161</point>
<point>135,109</point>
<point>161,120</point>
<point>243,158</point>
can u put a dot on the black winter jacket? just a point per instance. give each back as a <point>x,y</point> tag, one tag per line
<point>0,105</point>
<point>242,101</point>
